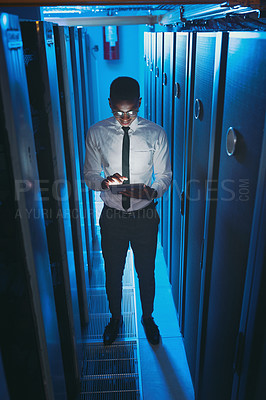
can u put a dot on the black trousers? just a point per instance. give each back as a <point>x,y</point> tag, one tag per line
<point>140,229</point>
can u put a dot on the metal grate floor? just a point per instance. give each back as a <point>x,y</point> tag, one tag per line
<point>110,372</point>
<point>97,323</point>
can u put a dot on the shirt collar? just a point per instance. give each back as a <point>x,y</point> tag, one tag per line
<point>133,126</point>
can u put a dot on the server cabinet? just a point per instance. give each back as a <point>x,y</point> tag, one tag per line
<point>68,118</point>
<point>29,335</point>
<point>89,218</point>
<point>208,48</point>
<point>41,69</point>
<point>168,117</point>
<point>249,377</point>
<point>146,72</point>
<point>180,99</point>
<point>152,77</point>
<point>84,79</point>
<point>226,261</point>
<point>85,86</point>
<point>159,103</point>
<point>4,395</point>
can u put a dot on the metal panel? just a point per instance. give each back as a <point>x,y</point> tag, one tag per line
<point>89,214</point>
<point>42,74</point>
<point>203,96</point>
<point>84,79</point>
<point>168,118</point>
<point>159,103</point>
<point>152,77</point>
<point>225,264</point>
<point>148,63</point>
<point>249,377</point>
<point>180,93</point>
<point>32,344</point>
<point>68,114</point>
<point>146,73</point>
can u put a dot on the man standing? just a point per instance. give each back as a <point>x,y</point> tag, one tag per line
<point>129,149</point>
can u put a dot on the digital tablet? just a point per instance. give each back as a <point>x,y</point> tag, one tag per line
<point>116,189</point>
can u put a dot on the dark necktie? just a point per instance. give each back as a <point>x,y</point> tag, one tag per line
<point>125,165</point>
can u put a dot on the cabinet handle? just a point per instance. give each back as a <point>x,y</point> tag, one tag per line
<point>177,90</point>
<point>164,79</point>
<point>157,72</point>
<point>182,203</point>
<point>198,109</point>
<point>231,141</point>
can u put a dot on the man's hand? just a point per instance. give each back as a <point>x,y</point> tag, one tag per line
<point>115,179</point>
<point>147,193</point>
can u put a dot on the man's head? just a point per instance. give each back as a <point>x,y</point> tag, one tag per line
<point>124,99</point>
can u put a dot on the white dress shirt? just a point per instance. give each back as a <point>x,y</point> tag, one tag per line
<point>149,161</point>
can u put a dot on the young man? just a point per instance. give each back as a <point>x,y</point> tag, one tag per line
<point>128,149</point>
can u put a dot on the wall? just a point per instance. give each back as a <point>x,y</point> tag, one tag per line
<point>104,71</point>
<point>33,13</point>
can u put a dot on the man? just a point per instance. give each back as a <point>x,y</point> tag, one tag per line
<point>128,149</point>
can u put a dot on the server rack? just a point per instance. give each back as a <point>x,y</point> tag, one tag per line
<point>41,68</point>
<point>69,127</point>
<point>89,220</point>
<point>225,258</point>
<point>146,73</point>
<point>180,104</point>
<point>249,376</point>
<point>159,102</point>
<point>168,118</point>
<point>30,341</point>
<point>152,78</point>
<point>208,48</point>
<point>84,75</point>
<point>186,174</point>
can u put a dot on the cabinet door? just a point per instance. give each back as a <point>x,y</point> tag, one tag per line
<point>159,104</point>
<point>84,79</point>
<point>180,98</point>
<point>242,134</point>
<point>152,77</point>
<point>207,50</point>
<point>168,117</point>
<point>87,197</point>
<point>45,104</point>
<point>30,342</point>
<point>69,126</point>
<point>146,73</point>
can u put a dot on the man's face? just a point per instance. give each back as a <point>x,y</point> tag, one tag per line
<point>125,111</point>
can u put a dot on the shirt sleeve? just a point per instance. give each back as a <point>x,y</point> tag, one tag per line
<point>92,166</point>
<point>162,165</point>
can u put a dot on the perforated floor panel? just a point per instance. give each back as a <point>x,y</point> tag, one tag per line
<point>110,372</point>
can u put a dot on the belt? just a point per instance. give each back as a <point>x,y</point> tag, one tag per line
<point>132,214</point>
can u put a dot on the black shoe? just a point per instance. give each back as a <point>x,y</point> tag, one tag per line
<point>151,330</point>
<point>111,330</point>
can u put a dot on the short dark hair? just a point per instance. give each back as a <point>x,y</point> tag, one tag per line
<point>124,88</point>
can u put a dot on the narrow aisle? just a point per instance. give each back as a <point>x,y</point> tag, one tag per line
<point>164,370</point>
<point>131,368</point>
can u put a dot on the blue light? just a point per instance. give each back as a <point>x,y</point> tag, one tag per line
<point>4,19</point>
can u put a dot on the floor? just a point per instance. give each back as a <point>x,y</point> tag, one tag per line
<point>132,368</point>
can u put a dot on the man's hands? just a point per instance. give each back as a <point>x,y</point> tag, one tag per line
<point>115,179</point>
<point>147,193</point>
